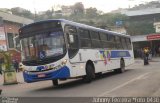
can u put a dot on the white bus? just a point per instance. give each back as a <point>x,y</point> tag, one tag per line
<point>61,49</point>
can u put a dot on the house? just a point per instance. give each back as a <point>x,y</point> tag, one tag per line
<point>9,26</point>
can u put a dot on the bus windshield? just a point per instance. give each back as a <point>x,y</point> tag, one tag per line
<point>43,45</point>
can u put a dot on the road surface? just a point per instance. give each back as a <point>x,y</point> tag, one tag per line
<point>137,81</point>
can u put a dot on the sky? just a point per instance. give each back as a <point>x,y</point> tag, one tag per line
<point>43,5</point>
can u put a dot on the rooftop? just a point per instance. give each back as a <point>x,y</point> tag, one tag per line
<point>147,11</point>
<point>14,18</point>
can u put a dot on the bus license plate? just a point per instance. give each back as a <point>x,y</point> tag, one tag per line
<point>41,75</point>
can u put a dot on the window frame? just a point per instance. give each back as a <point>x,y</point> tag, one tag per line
<point>67,43</point>
<point>84,38</point>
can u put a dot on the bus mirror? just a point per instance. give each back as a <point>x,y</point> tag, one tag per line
<point>71,39</point>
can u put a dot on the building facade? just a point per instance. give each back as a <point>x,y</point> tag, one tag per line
<point>9,26</point>
<point>151,40</point>
<point>157,26</point>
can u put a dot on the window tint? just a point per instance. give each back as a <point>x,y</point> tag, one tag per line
<point>71,29</point>
<point>109,45</point>
<point>111,38</point>
<point>128,43</point>
<point>103,36</point>
<point>72,34</point>
<point>124,43</point>
<point>84,38</point>
<point>85,43</point>
<point>118,42</point>
<point>72,39</point>
<point>84,33</point>
<point>94,35</point>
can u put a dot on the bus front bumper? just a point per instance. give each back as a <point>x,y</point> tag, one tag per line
<point>58,74</point>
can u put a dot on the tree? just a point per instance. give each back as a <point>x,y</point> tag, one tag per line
<point>78,8</point>
<point>140,28</point>
<point>22,12</point>
<point>91,12</point>
<point>110,19</point>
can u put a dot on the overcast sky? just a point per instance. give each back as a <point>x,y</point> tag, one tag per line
<point>42,5</point>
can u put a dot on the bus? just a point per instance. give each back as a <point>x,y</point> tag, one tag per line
<point>61,49</point>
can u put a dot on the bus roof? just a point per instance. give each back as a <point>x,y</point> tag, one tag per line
<point>77,25</point>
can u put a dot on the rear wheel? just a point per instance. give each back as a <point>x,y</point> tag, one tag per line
<point>55,82</point>
<point>122,67</point>
<point>90,74</point>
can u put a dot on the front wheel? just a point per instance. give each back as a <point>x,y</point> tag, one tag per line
<point>90,74</point>
<point>55,82</point>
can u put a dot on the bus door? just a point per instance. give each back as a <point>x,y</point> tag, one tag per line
<point>72,43</point>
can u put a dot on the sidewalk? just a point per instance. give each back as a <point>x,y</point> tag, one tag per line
<point>154,59</point>
<point>19,78</point>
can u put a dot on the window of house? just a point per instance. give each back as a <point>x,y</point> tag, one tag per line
<point>10,40</point>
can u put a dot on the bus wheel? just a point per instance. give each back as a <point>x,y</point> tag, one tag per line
<point>90,74</point>
<point>55,82</point>
<point>122,67</point>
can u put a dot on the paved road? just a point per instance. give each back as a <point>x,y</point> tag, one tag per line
<point>137,81</point>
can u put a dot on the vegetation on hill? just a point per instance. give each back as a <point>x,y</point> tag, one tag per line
<point>92,16</point>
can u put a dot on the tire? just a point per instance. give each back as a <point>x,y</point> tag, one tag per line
<point>90,74</point>
<point>122,67</point>
<point>55,82</point>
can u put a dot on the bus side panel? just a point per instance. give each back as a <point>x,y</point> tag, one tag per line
<point>102,60</point>
<point>130,60</point>
<point>79,61</point>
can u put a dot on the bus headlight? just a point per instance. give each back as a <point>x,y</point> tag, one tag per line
<point>26,72</point>
<point>64,62</point>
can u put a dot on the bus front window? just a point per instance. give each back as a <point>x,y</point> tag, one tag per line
<point>43,46</point>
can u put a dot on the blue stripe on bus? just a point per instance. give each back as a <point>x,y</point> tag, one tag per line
<point>58,74</point>
<point>118,54</point>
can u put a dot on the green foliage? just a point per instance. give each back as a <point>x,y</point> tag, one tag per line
<point>78,8</point>
<point>110,19</point>
<point>152,4</point>
<point>91,16</point>
<point>22,12</point>
<point>7,59</point>
<point>140,28</point>
<point>91,12</point>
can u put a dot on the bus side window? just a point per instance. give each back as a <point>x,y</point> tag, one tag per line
<point>128,43</point>
<point>118,43</point>
<point>104,39</point>
<point>84,38</point>
<point>124,43</point>
<point>95,39</point>
<point>72,38</point>
<point>111,39</point>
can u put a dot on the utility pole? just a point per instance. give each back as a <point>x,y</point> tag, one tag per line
<point>35,12</point>
<point>130,2</point>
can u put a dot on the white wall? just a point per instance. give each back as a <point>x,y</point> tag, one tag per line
<point>157,27</point>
